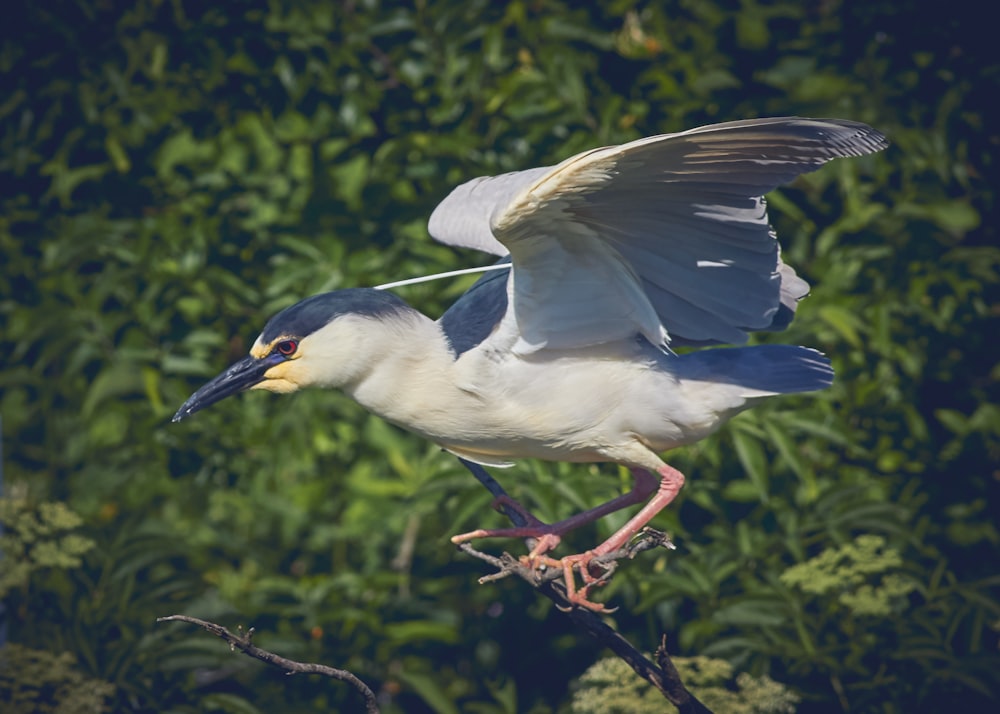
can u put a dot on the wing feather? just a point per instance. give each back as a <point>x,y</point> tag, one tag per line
<point>664,235</point>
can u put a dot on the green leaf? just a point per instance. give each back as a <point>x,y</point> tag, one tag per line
<point>754,462</point>
<point>429,690</point>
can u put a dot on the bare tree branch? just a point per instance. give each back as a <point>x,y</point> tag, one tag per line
<point>663,676</point>
<point>678,695</point>
<point>244,644</point>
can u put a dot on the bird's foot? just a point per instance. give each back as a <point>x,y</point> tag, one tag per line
<point>595,566</point>
<point>593,573</point>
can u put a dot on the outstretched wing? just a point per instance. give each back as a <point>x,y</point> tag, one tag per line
<point>666,236</point>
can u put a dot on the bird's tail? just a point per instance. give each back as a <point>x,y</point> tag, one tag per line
<point>760,370</point>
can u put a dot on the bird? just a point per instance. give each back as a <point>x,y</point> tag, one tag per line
<point>607,262</point>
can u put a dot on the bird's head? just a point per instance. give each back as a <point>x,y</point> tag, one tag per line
<point>317,342</point>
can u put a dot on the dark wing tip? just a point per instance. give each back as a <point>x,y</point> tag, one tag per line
<point>858,139</point>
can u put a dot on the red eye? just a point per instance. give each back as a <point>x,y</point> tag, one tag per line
<point>287,347</point>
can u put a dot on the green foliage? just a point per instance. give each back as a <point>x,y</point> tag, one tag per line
<point>35,538</point>
<point>850,571</point>
<point>610,686</point>
<point>175,172</point>
<point>38,682</point>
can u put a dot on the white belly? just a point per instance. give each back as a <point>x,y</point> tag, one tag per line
<point>612,403</point>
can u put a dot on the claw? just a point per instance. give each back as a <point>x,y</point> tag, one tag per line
<point>583,562</point>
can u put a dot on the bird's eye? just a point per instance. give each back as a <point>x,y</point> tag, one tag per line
<point>286,347</point>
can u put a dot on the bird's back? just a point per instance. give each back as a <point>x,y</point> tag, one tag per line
<point>472,317</point>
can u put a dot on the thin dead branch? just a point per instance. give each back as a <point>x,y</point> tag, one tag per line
<point>243,643</point>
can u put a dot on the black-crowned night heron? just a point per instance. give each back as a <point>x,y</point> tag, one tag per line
<point>615,254</point>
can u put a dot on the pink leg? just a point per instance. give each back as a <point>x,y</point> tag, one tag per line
<point>549,535</point>
<point>671,482</point>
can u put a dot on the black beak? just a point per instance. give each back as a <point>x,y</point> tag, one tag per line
<point>242,375</point>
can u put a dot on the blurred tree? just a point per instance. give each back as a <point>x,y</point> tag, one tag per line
<point>174,172</point>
